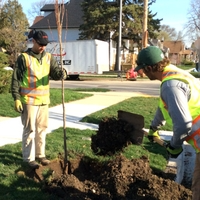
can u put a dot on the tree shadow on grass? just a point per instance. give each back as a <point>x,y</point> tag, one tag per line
<point>14,184</point>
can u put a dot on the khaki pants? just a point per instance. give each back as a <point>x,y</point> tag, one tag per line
<point>196,179</point>
<point>35,122</point>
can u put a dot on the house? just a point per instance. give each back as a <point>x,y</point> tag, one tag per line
<point>71,21</point>
<point>73,18</point>
<point>177,52</point>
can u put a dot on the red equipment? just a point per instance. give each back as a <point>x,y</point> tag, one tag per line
<point>131,74</point>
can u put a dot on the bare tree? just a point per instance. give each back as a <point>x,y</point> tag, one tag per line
<point>35,8</point>
<point>167,33</point>
<point>180,36</point>
<point>59,14</point>
<point>192,26</point>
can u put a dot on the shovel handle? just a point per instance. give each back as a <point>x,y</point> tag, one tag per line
<point>157,140</point>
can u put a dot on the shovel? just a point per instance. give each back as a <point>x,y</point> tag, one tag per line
<point>136,121</point>
<point>136,127</point>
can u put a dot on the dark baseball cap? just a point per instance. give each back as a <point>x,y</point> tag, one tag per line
<point>149,56</point>
<point>41,38</point>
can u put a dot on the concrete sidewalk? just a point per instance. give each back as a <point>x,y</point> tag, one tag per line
<point>75,111</point>
<point>11,128</point>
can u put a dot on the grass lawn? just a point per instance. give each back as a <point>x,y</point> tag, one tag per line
<point>7,102</point>
<point>14,186</point>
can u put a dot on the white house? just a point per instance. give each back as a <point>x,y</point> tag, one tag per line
<point>73,18</point>
<point>71,21</point>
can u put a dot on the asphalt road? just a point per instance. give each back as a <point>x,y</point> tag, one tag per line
<point>144,86</point>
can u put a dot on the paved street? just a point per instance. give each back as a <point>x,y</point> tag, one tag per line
<point>120,85</point>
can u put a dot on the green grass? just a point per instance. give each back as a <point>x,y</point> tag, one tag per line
<point>14,186</point>
<point>7,102</point>
<point>145,106</point>
<point>186,67</point>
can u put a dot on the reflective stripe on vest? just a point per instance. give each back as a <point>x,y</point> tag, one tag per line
<point>194,138</point>
<point>194,103</point>
<point>34,88</point>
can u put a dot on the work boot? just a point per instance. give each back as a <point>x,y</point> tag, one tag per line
<point>43,161</point>
<point>34,165</point>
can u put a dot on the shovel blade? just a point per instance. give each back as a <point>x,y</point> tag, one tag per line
<point>137,121</point>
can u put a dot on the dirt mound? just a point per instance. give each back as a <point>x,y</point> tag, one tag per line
<point>118,179</point>
<point>112,136</point>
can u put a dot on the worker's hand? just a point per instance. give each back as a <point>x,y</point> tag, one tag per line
<point>173,152</point>
<point>152,134</point>
<point>63,74</point>
<point>18,106</point>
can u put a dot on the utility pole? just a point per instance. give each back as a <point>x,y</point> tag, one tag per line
<point>120,37</point>
<point>145,32</point>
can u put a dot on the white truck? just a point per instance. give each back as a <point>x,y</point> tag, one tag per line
<point>81,56</point>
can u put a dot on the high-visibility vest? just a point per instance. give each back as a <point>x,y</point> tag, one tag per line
<point>172,72</point>
<point>34,88</point>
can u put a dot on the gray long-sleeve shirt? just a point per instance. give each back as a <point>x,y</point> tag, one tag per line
<point>176,95</point>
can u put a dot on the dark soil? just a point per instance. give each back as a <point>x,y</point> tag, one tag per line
<point>119,179</point>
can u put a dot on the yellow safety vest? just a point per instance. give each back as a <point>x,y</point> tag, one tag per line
<point>172,72</point>
<point>34,88</point>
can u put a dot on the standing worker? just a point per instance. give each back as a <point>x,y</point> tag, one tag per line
<point>179,105</point>
<point>30,90</point>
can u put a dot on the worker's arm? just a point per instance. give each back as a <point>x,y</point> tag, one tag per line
<point>158,120</point>
<point>56,73</point>
<point>156,124</point>
<point>19,69</point>
<point>176,95</point>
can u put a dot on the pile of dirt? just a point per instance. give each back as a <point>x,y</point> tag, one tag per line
<point>118,179</point>
<point>112,136</point>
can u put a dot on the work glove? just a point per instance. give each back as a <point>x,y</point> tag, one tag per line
<point>173,152</point>
<point>62,74</point>
<point>153,133</point>
<point>18,106</point>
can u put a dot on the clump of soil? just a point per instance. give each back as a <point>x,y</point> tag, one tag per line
<point>112,136</point>
<point>118,179</point>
